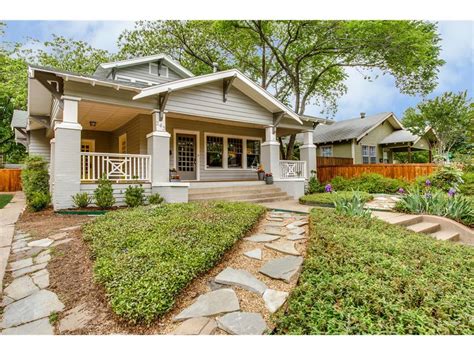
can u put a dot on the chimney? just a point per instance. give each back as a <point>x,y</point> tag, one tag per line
<point>362,115</point>
<point>214,67</point>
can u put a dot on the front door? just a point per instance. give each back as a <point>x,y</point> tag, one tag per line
<point>186,156</point>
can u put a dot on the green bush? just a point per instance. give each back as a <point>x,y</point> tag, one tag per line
<point>35,179</point>
<point>439,203</point>
<point>325,198</point>
<point>39,201</point>
<point>364,276</point>
<point>135,196</point>
<point>155,199</point>
<point>371,183</point>
<point>146,256</point>
<point>467,188</point>
<point>443,178</point>
<point>314,186</point>
<point>352,205</point>
<point>81,199</point>
<point>104,194</point>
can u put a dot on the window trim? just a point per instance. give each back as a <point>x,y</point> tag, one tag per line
<point>135,80</point>
<point>225,155</point>
<point>327,146</point>
<point>368,150</point>
<point>162,66</point>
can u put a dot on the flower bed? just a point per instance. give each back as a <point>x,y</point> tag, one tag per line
<point>327,199</point>
<point>364,276</point>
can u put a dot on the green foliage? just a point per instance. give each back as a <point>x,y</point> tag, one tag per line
<point>5,199</point>
<point>352,205</point>
<point>146,256</point>
<point>104,193</point>
<point>155,199</point>
<point>39,200</point>
<point>468,187</point>
<point>135,196</point>
<point>416,157</point>
<point>438,203</point>
<point>371,183</point>
<point>443,178</point>
<point>364,276</point>
<point>325,198</point>
<point>81,199</point>
<point>35,180</point>
<point>314,186</point>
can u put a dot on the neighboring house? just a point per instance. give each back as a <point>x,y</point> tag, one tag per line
<point>134,120</point>
<point>369,140</point>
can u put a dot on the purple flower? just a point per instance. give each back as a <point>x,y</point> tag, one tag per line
<point>428,182</point>
<point>328,188</point>
<point>401,190</point>
<point>451,192</point>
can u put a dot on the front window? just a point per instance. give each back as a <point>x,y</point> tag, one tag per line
<point>253,154</point>
<point>215,151</point>
<point>369,155</point>
<point>327,151</point>
<point>234,152</point>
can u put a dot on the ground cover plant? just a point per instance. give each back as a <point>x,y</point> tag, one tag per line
<point>5,199</point>
<point>146,256</point>
<point>364,276</point>
<point>326,198</point>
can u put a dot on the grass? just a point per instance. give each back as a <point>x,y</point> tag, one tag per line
<point>146,256</point>
<point>326,198</point>
<point>5,199</point>
<point>364,276</point>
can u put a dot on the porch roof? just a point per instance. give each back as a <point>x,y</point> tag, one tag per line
<point>400,136</point>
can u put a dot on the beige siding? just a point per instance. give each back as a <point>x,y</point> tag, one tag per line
<point>339,150</point>
<point>373,138</point>
<point>422,144</point>
<point>136,130</point>
<point>142,72</point>
<point>103,140</point>
<point>39,144</point>
<point>206,100</point>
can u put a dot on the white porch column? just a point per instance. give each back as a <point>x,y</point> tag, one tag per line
<point>271,152</point>
<point>67,155</point>
<point>158,144</point>
<point>308,152</point>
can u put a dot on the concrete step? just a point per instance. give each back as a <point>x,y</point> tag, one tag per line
<point>217,189</point>
<point>405,220</point>
<point>446,234</point>
<point>268,199</point>
<point>424,227</point>
<point>236,196</point>
<point>230,192</point>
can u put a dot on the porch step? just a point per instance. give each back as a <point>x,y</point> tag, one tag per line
<point>446,235</point>
<point>405,220</point>
<point>232,191</point>
<point>424,227</point>
<point>236,196</point>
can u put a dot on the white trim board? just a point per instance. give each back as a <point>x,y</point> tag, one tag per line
<point>198,154</point>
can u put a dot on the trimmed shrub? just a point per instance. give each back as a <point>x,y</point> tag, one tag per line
<point>364,276</point>
<point>314,186</point>
<point>371,183</point>
<point>155,199</point>
<point>35,181</point>
<point>145,256</point>
<point>135,196</point>
<point>325,198</point>
<point>104,194</point>
<point>81,199</point>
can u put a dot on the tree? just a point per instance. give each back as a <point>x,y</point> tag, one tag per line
<point>301,62</point>
<point>451,116</point>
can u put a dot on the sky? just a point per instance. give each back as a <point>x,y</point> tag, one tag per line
<point>380,95</point>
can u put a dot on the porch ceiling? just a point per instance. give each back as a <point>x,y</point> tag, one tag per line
<point>107,117</point>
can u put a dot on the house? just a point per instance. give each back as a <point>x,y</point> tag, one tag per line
<point>369,139</point>
<point>134,120</point>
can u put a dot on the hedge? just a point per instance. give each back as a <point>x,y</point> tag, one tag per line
<point>371,183</point>
<point>326,198</point>
<point>368,277</point>
<point>146,256</point>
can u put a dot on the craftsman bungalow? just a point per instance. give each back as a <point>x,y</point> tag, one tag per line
<point>135,120</point>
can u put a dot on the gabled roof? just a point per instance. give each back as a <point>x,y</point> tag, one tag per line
<point>241,82</point>
<point>19,119</point>
<point>355,128</point>
<point>400,136</point>
<point>309,118</point>
<point>104,69</point>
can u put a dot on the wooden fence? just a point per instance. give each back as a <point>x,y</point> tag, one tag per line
<point>324,161</point>
<point>407,172</point>
<point>10,180</point>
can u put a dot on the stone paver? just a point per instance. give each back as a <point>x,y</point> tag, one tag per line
<point>38,305</point>
<point>274,299</point>
<point>192,326</point>
<point>283,268</point>
<point>211,303</point>
<point>283,246</point>
<point>254,254</point>
<point>241,278</point>
<point>276,224</point>
<point>242,323</point>
<point>262,238</point>
<point>62,241</point>
<point>20,288</point>
<point>38,327</point>
<point>275,219</point>
<point>72,228</point>
<point>274,231</point>
<point>297,224</point>
<point>45,242</point>
<point>20,264</point>
<point>41,278</point>
<point>6,301</point>
<point>58,236</point>
<point>42,258</point>
<point>298,231</point>
<point>19,244</point>
<point>76,318</point>
<point>29,269</point>
<point>24,236</point>
<point>6,235</point>
<point>295,237</point>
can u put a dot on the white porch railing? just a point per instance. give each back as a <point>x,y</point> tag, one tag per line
<point>292,169</point>
<point>119,167</point>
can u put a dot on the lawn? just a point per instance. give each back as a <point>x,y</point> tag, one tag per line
<point>5,199</point>
<point>146,256</point>
<point>326,198</point>
<point>363,276</point>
